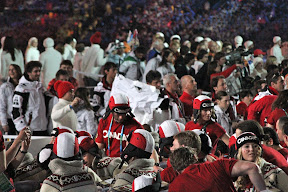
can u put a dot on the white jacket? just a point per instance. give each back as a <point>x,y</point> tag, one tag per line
<point>86,121</point>
<point>32,54</point>
<point>50,60</point>
<point>6,60</point>
<point>6,96</point>
<point>68,53</point>
<point>129,67</point>
<point>165,69</point>
<point>151,65</point>
<point>93,59</point>
<point>224,120</point>
<point>276,51</point>
<point>29,100</point>
<point>63,115</point>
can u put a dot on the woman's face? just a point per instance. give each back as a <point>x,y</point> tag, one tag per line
<point>12,72</point>
<point>34,43</point>
<point>170,58</point>
<point>249,151</point>
<point>206,114</point>
<point>224,102</point>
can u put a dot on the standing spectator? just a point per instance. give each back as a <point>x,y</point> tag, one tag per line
<point>10,55</point>
<point>85,113</point>
<point>78,62</point>
<point>63,113</point>
<point>68,66</point>
<point>29,102</point>
<point>94,57</point>
<point>202,58</point>
<point>133,66</point>
<point>50,60</point>
<point>1,50</point>
<point>6,99</point>
<point>32,53</point>
<point>167,64</point>
<point>61,75</point>
<point>245,98</point>
<point>185,68</point>
<point>68,49</point>
<point>114,128</point>
<point>276,50</point>
<point>238,40</point>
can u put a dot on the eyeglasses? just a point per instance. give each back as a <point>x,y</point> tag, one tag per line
<point>71,90</point>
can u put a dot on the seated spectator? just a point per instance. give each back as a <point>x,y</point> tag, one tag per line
<point>66,166</point>
<point>185,68</point>
<point>258,70</point>
<point>167,63</point>
<point>279,129</point>
<point>215,176</point>
<point>245,98</point>
<point>249,149</point>
<point>154,78</point>
<point>137,155</point>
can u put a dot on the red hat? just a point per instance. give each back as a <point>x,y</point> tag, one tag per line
<point>119,103</point>
<point>169,128</point>
<point>202,101</point>
<point>143,140</point>
<point>62,87</point>
<point>258,52</point>
<point>96,38</point>
<point>86,143</point>
<point>66,145</point>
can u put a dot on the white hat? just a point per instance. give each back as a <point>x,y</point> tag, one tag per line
<point>48,42</point>
<point>238,40</point>
<point>248,43</point>
<point>160,34</point>
<point>276,39</point>
<point>169,128</point>
<point>175,37</point>
<point>208,39</point>
<point>257,60</point>
<point>66,145</point>
<point>198,39</point>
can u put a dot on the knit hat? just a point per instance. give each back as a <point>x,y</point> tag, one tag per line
<point>248,43</point>
<point>238,40</point>
<point>206,143</point>
<point>141,145</point>
<point>247,137</point>
<point>199,103</point>
<point>276,39</point>
<point>198,39</point>
<point>257,60</point>
<point>61,129</point>
<point>62,87</point>
<point>175,37</point>
<point>118,103</point>
<point>66,146</point>
<point>48,42</point>
<point>86,143</point>
<point>96,38</point>
<point>145,183</point>
<point>258,52</point>
<point>208,39</point>
<point>167,130</point>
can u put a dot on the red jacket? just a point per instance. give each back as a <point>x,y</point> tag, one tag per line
<point>275,115</point>
<point>187,101</point>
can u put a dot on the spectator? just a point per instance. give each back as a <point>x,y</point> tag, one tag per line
<point>10,55</point>
<point>154,78</point>
<point>202,58</point>
<point>285,133</point>
<point>245,98</point>
<point>185,68</point>
<point>258,70</point>
<point>61,75</point>
<point>32,53</point>
<point>67,65</point>
<point>29,107</point>
<point>6,99</point>
<point>68,50</point>
<point>276,50</point>
<point>167,63</point>
<point>63,113</point>
<point>50,60</point>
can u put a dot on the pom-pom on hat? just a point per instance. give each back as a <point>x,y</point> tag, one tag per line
<point>66,146</point>
<point>169,128</point>
<point>258,52</point>
<point>61,129</point>
<point>276,39</point>
<point>48,42</point>
<point>62,87</point>
<point>96,38</point>
<point>247,137</point>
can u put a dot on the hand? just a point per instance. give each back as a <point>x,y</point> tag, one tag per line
<point>5,128</point>
<point>157,168</point>
<point>22,135</point>
<point>25,144</point>
<point>76,101</point>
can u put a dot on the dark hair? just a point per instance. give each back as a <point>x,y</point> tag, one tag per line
<point>282,100</point>
<point>68,40</point>
<point>140,49</point>
<point>188,57</point>
<point>284,63</point>
<point>273,77</point>
<point>214,80</point>
<point>244,93</point>
<point>66,62</point>
<point>184,50</point>
<point>83,93</point>
<point>226,44</point>
<point>108,66</point>
<point>31,65</point>
<point>251,126</point>
<point>165,54</point>
<point>220,94</point>
<point>194,46</point>
<point>257,84</point>
<point>18,70</point>
<point>189,139</point>
<point>271,134</point>
<point>218,56</point>
<point>9,46</point>
<point>271,68</point>
<point>61,72</point>
<point>201,54</point>
<point>80,47</point>
<point>222,147</point>
<point>152,75</point>
<point>211,68</point>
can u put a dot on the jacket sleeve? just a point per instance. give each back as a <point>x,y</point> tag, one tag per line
<point>225,73</point>
<point>124,67</point>
<point>20,102</point>
<point>57,114</point>
<point>3,106</point>
<point>100,59</point>
<point>91,124</point>
<point>282,179</point>
<point>254,111</point>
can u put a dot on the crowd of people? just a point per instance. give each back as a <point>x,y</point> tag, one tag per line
<point>185,112</point>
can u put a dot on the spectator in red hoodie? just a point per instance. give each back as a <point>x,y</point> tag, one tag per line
<point>242,107</point>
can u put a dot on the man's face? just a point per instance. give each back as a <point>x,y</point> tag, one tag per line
<point>63,77</point>
<point>174,85</point>
<point>88,159</point>
<point>119,117</point>
<point>279,132</point>
<point>111,73</point>
<point>205,58</point>
<point>279,85</point>
<point>175,145</point>
<point>34,75</point>
<point>221,86</point>
<point>192,84</point>
<point>139,55</point>
<point>156,83</point>
<point>222,61</point>
<point>67,68</point>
